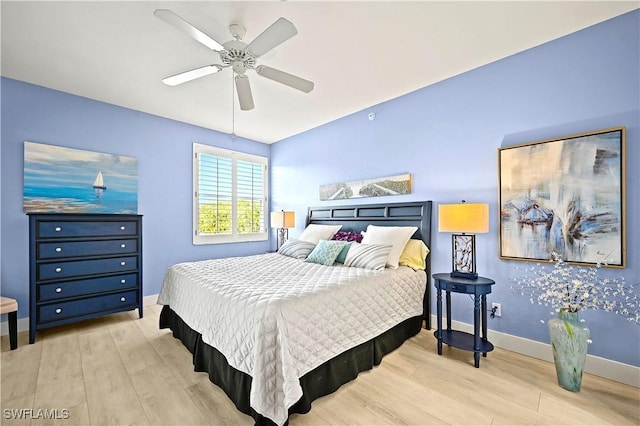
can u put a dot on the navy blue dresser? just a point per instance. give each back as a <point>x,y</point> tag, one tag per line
<point>83,266</point>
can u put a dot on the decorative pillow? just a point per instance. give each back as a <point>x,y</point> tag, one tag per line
<point>296,248</point>
<point>326,252</point>
<point>314,233</point>
<point>368,256</point>
<point>343,253</point>
<point>397,236</point>
<point>414,255</point>
<point>347,236</point>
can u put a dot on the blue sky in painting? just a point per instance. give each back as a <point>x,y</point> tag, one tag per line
<point>59,179</point>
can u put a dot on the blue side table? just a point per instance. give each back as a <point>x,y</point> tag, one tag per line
<point>479,288</point>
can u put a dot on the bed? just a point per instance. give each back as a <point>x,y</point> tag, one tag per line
<point>276,332</point>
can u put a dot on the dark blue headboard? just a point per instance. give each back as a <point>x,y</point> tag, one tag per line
<point>355,218</point>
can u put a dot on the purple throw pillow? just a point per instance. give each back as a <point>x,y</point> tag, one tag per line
<point>347,236</point>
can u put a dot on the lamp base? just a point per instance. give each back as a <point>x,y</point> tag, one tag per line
<point>467,275</point>
<point>463,261</point>
<point>283,235</point>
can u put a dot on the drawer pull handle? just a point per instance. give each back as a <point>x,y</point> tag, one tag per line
<point>58,269</point>
<point>123,263</point>
<point>122,228</point>
<point>123,299</point>
<point>58,290</point>
<point>123,281</point>
<point>123,245</point>
<point>58,311</point>
<point>58,249</point>
<point>58,229</point>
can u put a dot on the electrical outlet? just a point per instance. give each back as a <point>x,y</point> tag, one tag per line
<point>498,309</point>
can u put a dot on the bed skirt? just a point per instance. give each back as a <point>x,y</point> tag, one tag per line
<point>321,381</point>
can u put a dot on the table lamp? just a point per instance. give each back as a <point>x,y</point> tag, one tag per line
<point>464,220</point>
<point>283,221</point>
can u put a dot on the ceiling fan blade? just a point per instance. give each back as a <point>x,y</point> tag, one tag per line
<point>285,78</point>
<point>277,33</point>
<point>183,77</point>
<point>174,20</point>
<point>245,98</point>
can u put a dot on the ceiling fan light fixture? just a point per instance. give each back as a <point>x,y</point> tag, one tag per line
<point>238,67</point>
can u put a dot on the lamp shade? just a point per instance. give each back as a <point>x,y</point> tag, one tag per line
<point>472,218</point>
<point>283,219</point>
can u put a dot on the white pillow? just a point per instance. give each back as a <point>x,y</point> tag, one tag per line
<point>397,236</point>
<point>314,233</point>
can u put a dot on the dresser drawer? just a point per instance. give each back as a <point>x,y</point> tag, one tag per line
<point>58,311</point>
<point>57,229</point>
<point>67,289</point>
<point>86,248</point>
<point>49,271</point>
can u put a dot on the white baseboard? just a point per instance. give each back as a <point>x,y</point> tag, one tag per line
<point>609,369</point>
<point>150,300</point>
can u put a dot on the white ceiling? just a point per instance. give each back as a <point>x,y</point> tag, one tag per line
<point>357,53</point>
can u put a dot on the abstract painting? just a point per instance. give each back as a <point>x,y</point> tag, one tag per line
<point>67,180</point>
<point>390,185</point>
<point>564,195</point>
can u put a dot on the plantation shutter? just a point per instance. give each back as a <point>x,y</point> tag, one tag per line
<point>215,191</point>
<point>230,197</point>
<point>250,201</point>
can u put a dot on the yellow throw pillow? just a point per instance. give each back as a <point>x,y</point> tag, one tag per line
<point>414,255</point>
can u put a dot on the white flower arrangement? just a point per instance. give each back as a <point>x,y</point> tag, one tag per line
<point>576,288</point>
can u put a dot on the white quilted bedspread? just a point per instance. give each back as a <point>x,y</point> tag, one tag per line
<point>277,318</point>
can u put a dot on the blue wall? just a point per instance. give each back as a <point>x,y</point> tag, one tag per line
<point>163,149</point>
<point>447,135</point>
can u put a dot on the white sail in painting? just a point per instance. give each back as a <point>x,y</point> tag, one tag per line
<point>99,182</point>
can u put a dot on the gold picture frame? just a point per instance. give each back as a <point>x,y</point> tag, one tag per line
<point>564,195</point>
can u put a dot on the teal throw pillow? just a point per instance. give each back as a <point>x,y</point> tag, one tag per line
<point>325,252</point>
<point>343,253</point>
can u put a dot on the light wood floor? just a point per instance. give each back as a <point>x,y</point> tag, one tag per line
<point>122,370</point>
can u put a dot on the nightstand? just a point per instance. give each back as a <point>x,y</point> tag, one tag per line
<point>475,342</point>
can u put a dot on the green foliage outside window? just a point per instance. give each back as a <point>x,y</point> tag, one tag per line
<point>215,218</point>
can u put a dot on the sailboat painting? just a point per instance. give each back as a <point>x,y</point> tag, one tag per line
<point>99,182</point>
<point>98,185</point>
<point>67,180</point>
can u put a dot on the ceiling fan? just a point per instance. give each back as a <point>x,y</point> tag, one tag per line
<point>238,55</point>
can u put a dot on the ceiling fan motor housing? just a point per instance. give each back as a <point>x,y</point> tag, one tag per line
<point>236,55</point>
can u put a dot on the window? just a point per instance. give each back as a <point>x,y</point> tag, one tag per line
<point>230,196</point>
